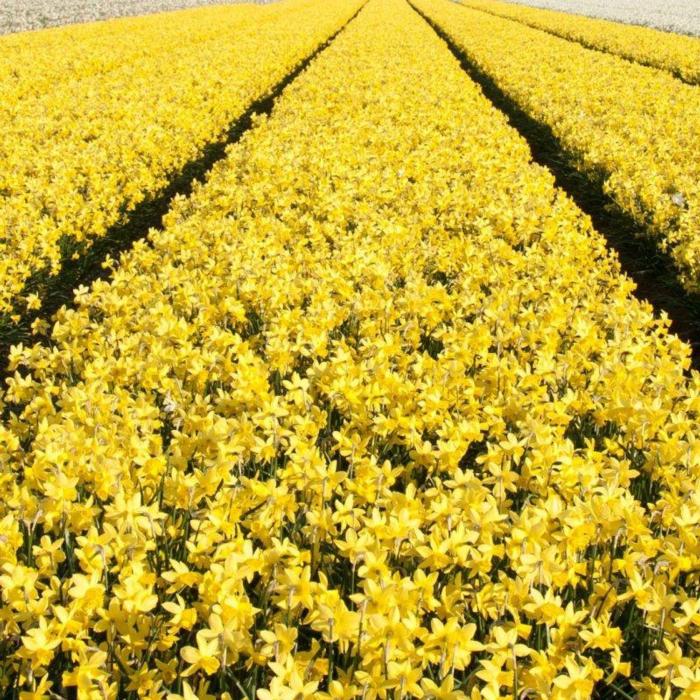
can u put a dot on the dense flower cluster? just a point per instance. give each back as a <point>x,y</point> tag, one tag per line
<point>635,128</point>
<point>676,53</point>
<point>375,416</point>
<point>93,126</point>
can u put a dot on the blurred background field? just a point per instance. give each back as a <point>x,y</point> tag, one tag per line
<point>22,15</point>
<point>674,15</point>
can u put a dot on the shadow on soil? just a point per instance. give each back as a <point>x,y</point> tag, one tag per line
<point>651,269</point>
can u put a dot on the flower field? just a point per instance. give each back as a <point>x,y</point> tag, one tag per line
<point>23,15</point>
<point>634,127</point>
<point>677,54</point>
<point>373,414</point>
<point>88,137</point>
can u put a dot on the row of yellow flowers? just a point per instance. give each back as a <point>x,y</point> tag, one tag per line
<point>634,127</point>
<point>375,416</point>
<point>32,63</point>
<point>675,53</point>
<point>78,153</point>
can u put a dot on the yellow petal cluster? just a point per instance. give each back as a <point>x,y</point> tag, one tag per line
<point>375,416</point>
<point>635,128</point>
<point>97,118</point>
<point>675,53</point>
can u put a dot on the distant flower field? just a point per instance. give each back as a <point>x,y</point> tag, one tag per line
<point>672,15</point>
<point>373,412</point>
<point>23,15</point>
